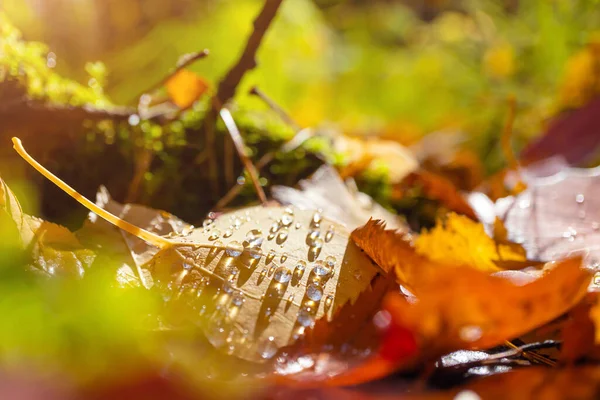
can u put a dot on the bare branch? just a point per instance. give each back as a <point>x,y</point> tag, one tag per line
<point>247,60</point>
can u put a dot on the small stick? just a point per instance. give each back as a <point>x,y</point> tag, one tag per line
<point>239,146</point>
<point>531,356</point>
<point>275,107</point>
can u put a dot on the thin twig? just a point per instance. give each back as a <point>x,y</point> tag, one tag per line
<point>239,146</point>
<point>296,141</point>
<point>183,62</point>
<point>247,60</point>
<point>533,357</point>
<point>497,358</point>
<point>275,107</point>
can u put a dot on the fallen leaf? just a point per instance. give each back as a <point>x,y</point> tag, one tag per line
<point>332,352</point>
<point>284,268</point>
<point>459,240</point>
<point>52,249</point>
<point>185,87</point>
<point>325,190</point>
<point>463,308</point>
<point>555,216</point>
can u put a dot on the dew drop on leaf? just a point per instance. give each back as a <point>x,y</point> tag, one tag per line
<point>267,348</point>
<point>282,275</point>
<point>305,318</point>
<point>314,292</point>
<point>215,235</point>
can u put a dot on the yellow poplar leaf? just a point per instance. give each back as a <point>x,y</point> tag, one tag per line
<point>459,240</point>
<point>185,87</point>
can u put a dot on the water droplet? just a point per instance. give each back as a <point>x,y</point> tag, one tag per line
<point>282,275</point>
<point>207,222</point>
<point>470,333</point>
<point>271,236</point>
<point>382,320</point>
<point>329,234</point>
<point>274,227</point>
<point>188,264</point>
<point>254,238</point>
<point>313,235</point>
<point>215,235</point>
<point>290,298</point>
<point>317,244</point>
<point>267,348</point>
<point>314,292</point>
<point>272,269</point>
<point>234,249</point>
<point>286,220</point>
<point>298,225</point>
<point>525,203</point>
<point>580,198</point>
<point>299,332</point>
<point>227,233</point>
<point>213,251</point>
<point>316,219</point>
<point>328,301</point>
<point>241,180</point>
<point>238,299</point>
<point>227,288</point>
<point>289,211</point>
<point>262,275</point>
<point>284,257</point>
<point>237,223</point>
<point>330,262</point>
<point>299,269</point>
<point>321,270</point>
<point>282,236</point>
<point>230,349</point>
<point>305,318</point>
<point>270,257</point>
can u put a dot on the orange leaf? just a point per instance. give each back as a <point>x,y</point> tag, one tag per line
<point>185,87</point>
<point>460,307</point>
<point>344,340</point>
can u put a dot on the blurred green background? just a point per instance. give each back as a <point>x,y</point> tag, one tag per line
<point>389,68</point>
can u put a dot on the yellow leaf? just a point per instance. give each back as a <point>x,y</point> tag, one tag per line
<point>185,87</point>
<point>459,240</point>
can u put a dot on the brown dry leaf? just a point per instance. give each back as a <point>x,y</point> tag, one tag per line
<point>53,249</point>
<point>332,351</point>
<point>465,308</point>
<point>437,187</point>
<point>185,87</point>
<point>255,278</point>
<point>272,271</point>
<point>459,240</point>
